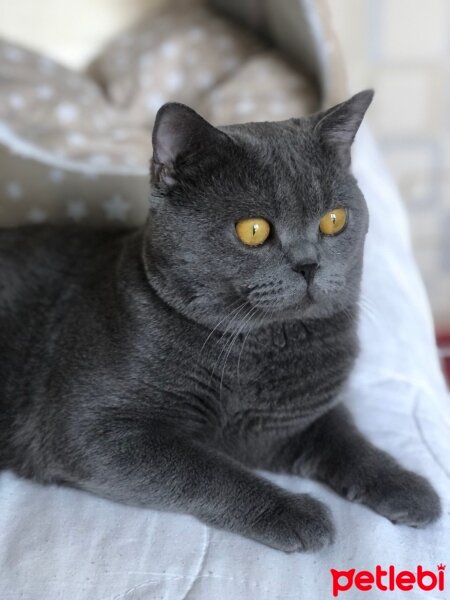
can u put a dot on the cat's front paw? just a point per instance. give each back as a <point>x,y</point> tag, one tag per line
<point>296,524</point>
<point>404,498</point>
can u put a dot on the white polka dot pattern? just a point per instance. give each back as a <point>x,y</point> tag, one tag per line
<point>77,210</point>
<point>37,215</point>
<point>116,208</point>
<point>14,190</point>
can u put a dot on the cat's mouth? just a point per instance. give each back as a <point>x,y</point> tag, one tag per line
<point>268,302</point>
<point>290,304</point>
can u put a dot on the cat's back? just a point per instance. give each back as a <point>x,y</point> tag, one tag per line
<point>39,265</point>
<point>36,256</point>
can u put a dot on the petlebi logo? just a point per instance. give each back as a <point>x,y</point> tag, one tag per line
<point>388,579</point>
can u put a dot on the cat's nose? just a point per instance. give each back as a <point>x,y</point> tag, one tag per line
<point>308,270</point>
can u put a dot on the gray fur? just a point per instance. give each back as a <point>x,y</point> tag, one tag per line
<point>161,366</point>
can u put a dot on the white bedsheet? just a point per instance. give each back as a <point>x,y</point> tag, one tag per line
<point>58,543</point>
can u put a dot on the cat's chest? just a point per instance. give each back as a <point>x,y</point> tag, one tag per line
<point>277,377</point>
<point>264,362</point>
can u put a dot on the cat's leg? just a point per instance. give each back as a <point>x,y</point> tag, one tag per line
<point>334,451</point>
<point>165,471</point>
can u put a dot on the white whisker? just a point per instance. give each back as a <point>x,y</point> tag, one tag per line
<point>239,310</point>
<point>220,322</point>
<point>246,319</point>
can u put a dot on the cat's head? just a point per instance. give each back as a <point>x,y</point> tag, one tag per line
<point>262,221</point>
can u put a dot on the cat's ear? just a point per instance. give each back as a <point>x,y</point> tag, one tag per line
<point>337,126</point>
<point>179,133</point>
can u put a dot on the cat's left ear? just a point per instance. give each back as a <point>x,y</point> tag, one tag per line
<point>180,136</point>
<point>337,126</point>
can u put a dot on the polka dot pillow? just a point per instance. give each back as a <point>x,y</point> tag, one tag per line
<point>75,146</point>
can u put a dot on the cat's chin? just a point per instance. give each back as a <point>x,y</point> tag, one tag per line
<point>305,307</point>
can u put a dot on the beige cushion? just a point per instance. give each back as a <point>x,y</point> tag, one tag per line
<point>77,145</point>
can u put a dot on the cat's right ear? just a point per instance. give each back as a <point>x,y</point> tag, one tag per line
<point>179,133</point>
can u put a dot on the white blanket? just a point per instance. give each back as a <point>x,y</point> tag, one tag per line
<point>58,543</point>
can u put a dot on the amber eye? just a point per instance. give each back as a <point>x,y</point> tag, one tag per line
<point>333,222</point>
<point>252,232</point>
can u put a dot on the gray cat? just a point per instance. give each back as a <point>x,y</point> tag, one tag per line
<point>161,366</point>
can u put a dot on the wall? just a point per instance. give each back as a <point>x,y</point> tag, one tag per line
<point>71,32</point>
<point>401,48</point>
